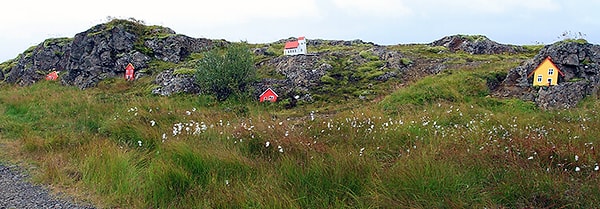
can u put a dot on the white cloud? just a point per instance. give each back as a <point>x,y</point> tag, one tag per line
<point>492,7</point>
<point>375,8</point>
<point>503,6</point>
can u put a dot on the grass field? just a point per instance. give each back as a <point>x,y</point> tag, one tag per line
<point>441,142</point>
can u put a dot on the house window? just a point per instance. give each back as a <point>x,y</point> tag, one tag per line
<point>550,71</point>
<point>271,97</point>
<point>539,79</point>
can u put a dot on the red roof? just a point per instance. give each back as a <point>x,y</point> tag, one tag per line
<point>291,45</point>
<point>301,38</point>
<point>552,63</point>
<point>269,90</point>
<point>129,67</point>
<point>268,95</point>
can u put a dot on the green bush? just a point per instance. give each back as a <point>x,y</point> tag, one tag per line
<point>227,73</point>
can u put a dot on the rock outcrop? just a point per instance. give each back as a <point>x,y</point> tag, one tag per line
<point>171,83</point>
<point>174,48</point>
<point>102,52</point>
<point>475,44</point>
<point>36,62</point>
<point>300,76</point>
<point>579,63</point>
<point>300,72</point>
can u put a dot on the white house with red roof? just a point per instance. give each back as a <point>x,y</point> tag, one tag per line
<point>295,47</point>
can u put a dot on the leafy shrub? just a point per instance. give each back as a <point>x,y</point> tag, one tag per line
<point>227,73</point>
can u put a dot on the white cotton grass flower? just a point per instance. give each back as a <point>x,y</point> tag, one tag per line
<point>530,158</point>
<point>139,143</point>
<point>152,123</point>
<point>577,169</point>
<point>597,168</point>
<point>267,144</point>
<point>280,148</point>
<point>576,158</point>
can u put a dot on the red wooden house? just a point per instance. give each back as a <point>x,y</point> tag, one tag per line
<point>129,72</point>
<point>268,95</point>
<point>52,76</point>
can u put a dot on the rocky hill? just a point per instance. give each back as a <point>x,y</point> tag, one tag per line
<point>477,44</point>
<point>578,61</point>
<point>334,68</point>
<point>101,52</point>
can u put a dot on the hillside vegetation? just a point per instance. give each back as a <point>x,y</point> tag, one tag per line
<point>431,140</point>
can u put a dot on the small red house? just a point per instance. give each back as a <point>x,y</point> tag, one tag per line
<point>129,72</point>
<point>268,95</point>
<point>52,76</point>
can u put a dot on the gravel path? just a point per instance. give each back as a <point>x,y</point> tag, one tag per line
<point>17,192</point>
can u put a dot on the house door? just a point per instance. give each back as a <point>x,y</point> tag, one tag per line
<point>549,81</point>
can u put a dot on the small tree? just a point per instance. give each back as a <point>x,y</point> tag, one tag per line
<point>228,72</point>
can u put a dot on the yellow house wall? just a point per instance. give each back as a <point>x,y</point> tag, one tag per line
<point>543,71</point>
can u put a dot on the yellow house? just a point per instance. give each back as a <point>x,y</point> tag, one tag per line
<point>546,74</point>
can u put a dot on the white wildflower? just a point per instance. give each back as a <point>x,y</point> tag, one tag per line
<point>267,144</point>
<point>152,123</point>
<point>577,169</point>
<point>597,168</point>
<point>576,158</point>
<point>530,158</point>
<point>280,148</point>
<point>139,143</point>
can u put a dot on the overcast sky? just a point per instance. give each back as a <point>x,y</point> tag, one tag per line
<point>25,23</point>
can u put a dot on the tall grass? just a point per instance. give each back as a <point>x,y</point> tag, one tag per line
<point>441,142</point>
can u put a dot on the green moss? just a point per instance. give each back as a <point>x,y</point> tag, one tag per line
<point>575,79</point>
<point>28,52</point>
<point>406,61</point>
<point>57,41</point>
<point>579,41</point>
<point>436,49</point>
<point>157,66</point>
<point>368,55</point>
<point>7,65</point>
<point>473,38</point>
<point>328,79</point>
<point>375,74</point>
<point>269,72</point>
<point>533,48</point>
<point>185,71</point>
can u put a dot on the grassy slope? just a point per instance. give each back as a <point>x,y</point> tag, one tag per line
<point>439,142</point>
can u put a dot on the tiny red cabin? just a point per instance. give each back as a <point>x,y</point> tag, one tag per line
<point>129,72</point>
<point>52,76</point>
<point>268,95</point>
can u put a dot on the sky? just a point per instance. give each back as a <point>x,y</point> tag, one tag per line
<point>25,23</point>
